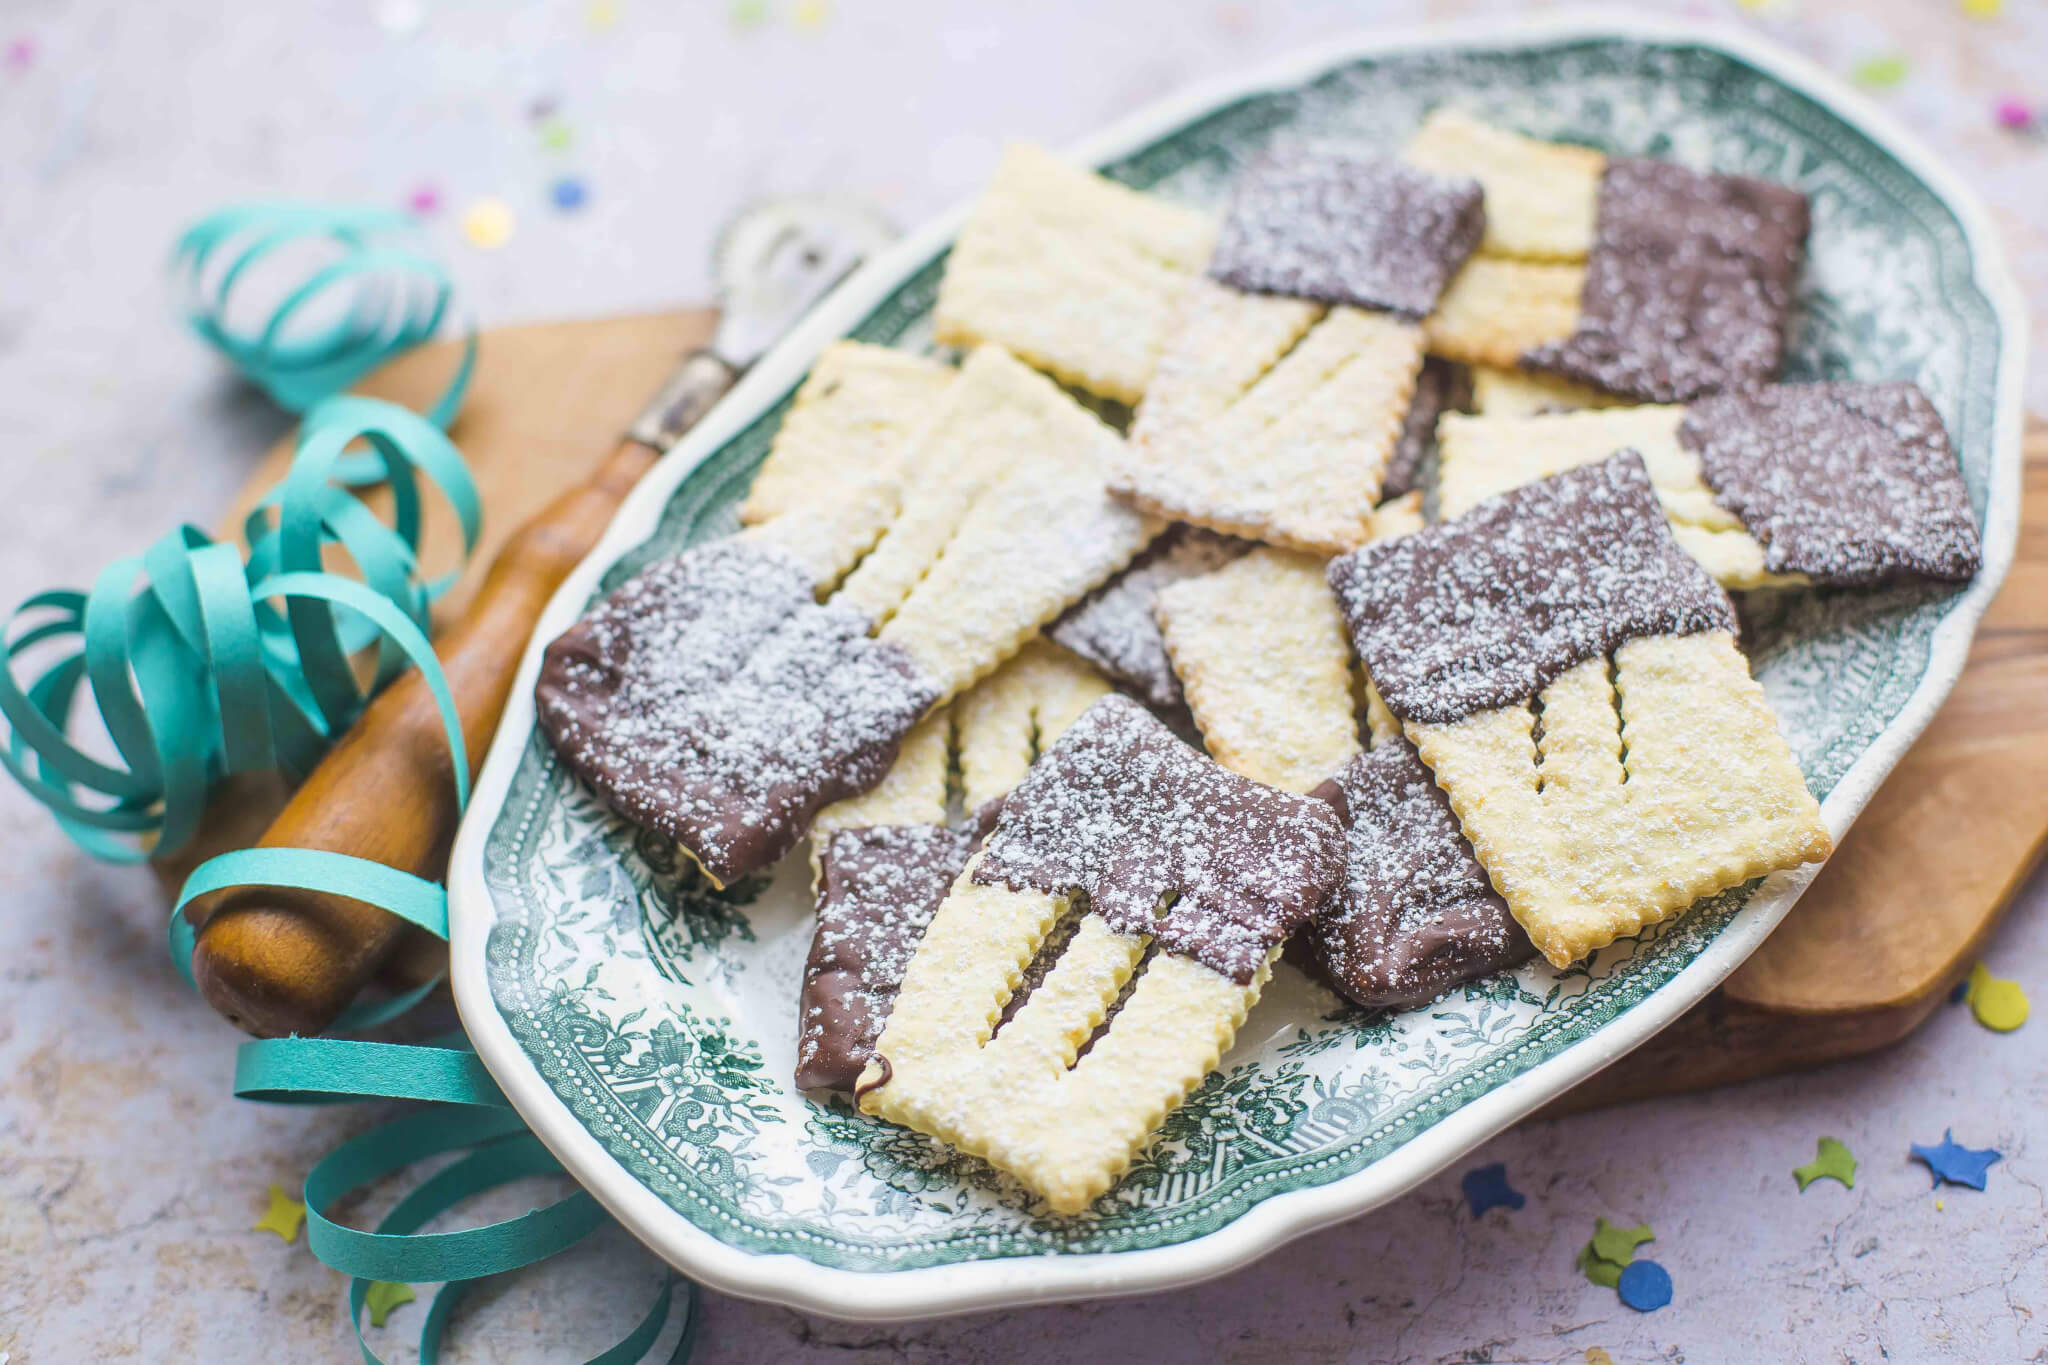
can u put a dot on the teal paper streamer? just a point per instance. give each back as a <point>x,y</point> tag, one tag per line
<point>370,298</point>
<point>196,675</point>
<point>202,663</point>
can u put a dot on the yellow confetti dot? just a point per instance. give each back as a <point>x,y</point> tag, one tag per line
<point>601,14</point>
<point>1983,9</point>
<point>1939,1206</point>
<point>1998,1004</point>
<point>488,223</point>
<point>283,1216</point>
<point>811,13</point>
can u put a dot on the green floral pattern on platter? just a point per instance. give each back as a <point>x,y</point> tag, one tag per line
<point>662,1013</point>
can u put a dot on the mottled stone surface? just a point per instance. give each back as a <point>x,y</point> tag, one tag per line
<point>129,1178</point>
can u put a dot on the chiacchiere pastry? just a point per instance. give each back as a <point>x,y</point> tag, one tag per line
<point>1074,273</point>
<point>850,423</point>
<point>1518,393</point>
<point>1570,676</point>
<point>713,698</point>
<point>1114,628</point>
<point>1482,456</point>
<point>1688,284</point>
<point>1440,387</point>
<point>1637,277</point>
<point>883,861</point>
<point>1780,484</point>
<point>1192,878</point>
<point>1541,197</point>
<point>1287,377</point>
<point>1261,647</point>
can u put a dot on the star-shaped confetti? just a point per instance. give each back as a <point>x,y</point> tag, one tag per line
<point>1612,1249</point>
<point>1831,1162</point>
<point>1645,1286</point>
<point>1999,1004</point>
<point>383,1296</point>
<point>283,1216</point>
<point>1486,1187</point>
<point>1956,1165</point>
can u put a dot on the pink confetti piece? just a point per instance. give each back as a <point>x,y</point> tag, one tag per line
<point>2013,114</point>
<point>424,202</point>
<point>21,53</point>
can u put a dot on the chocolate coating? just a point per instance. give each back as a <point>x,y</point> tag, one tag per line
<point>1164,842</point>
<point>1489,609</point>
<point>1439,388</point>
<point>713,700</point>
<point>1113,627</point>
<point>1337,228</point>
<point>1846,483</point>
<point>1688,284</point>
<point>1415,914</point>
<point>878,889</point>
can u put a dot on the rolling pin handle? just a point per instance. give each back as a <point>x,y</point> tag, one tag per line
<point>277,961</point>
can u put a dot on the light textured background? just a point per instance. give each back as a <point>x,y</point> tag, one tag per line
<point>129,1178</point>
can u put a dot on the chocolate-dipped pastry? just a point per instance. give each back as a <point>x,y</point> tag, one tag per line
<point>1489,609</point>
<point>1113,627</point>
<point>1845,483</point>
<point>1346,229</point>
<point>713,700</point>
<point>878,888</point>
<point>1441,387</point>
<point>1415,914</point>
<point>1166,843</point>
<point>1688,284</point>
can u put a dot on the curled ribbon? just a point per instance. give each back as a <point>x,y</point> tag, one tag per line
<point>361,295</point>
<point>201,663</point>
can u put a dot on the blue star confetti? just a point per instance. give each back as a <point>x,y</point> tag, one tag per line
<point>1486,1187</point>
<point>1954,1165</point>
<point>1645,1286</point>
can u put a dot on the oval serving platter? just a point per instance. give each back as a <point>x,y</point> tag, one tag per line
<point>646,1028</point>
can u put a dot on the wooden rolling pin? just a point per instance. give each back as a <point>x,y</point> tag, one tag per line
<point>277,961</point>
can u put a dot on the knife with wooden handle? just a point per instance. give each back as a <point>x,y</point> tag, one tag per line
<point>277,961</point>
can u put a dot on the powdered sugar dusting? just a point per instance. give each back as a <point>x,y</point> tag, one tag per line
<point>1163,842</point>
<point>1113,627</point>
<point>1415,914</point>
<point>712,700</point>
<point>1487,610</point>
<point>1846,483</point>
<point>1345,228</point>
<point>878,889</point>
<point>1688,285</point>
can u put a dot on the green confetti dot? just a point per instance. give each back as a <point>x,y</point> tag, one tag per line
<point>748,13</point>
<point>556,135</point>
<point>1880,73</point>
<point>1612,1249</point>
<point>383,1296</point>
<point>1618,1245</point>
<point>1831,1161</point>
<point>1606,1274</point>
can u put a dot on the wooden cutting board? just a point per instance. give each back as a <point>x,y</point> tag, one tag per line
<point>1895,918</point>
